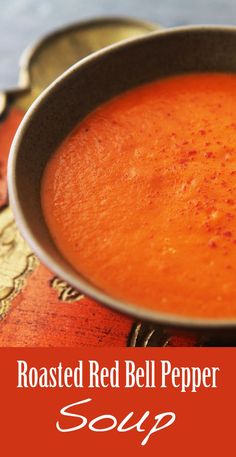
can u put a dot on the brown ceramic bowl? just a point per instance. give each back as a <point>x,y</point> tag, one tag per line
<point>69,99</point>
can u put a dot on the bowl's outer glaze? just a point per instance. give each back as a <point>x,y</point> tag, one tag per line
<point>72,96</point>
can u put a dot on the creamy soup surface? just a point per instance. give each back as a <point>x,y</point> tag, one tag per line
<point>141,196</point>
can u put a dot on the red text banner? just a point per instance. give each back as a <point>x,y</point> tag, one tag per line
<point>109,402</point>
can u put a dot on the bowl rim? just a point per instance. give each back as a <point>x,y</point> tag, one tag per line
<point>172,320</point>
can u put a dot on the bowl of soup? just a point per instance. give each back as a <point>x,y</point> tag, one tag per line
<point>122,177</point>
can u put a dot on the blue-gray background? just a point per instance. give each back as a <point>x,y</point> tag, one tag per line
<point>24,21</point>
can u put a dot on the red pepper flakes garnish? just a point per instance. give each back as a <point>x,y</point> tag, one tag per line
<point>209,154</point>
<point>227,233</point>
<point>229,201</point>
<point>212,244</point>
<point>192,152</point>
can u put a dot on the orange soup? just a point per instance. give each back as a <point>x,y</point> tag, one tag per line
<point>141,196</point>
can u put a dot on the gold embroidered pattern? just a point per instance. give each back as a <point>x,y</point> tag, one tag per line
<point>16,261</point>
<point>65,292</point>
